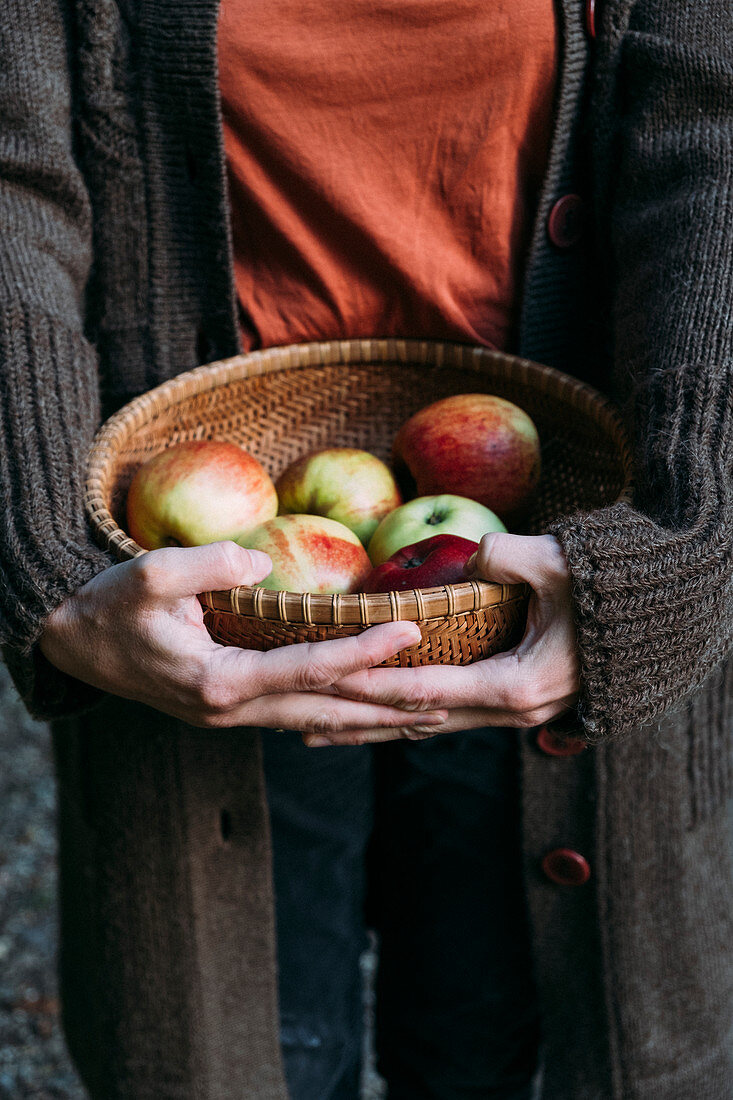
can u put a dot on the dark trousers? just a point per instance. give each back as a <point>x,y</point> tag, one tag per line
<point>421,842</point>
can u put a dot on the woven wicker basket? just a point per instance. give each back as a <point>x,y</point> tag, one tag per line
<point>280,403</point>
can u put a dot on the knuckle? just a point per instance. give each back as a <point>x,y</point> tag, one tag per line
<point>525,698</point>
<point>303,679</point>
<point>314,670</point>
<point>361,686</point>
<point>199,712</point>
<point>422,697</point>
<point>215,697</point>
<point>493,538</point>
<point>554,562</point>
<point>412,734</point>
<point>357,694</point>
<point>518,693</point>
<point>149,575</point>
<point>233,559</point>
<point>489,543</point>
<point>350,739</point>
<point>324,721</point>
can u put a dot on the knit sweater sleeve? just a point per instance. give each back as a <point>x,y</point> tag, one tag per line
<point>653,581</point>
<point>49,401</point>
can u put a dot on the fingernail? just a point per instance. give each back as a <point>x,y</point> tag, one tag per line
<point>318,741</point>
<point>427,720</point>
<point>259,559</point>
<point>470,564</point>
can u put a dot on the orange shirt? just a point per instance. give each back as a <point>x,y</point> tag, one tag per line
<point>384,161</point>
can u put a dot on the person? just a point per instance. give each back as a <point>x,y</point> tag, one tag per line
<point>179,182</point>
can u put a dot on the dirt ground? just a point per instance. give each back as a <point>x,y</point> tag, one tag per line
<point>33,1059</point>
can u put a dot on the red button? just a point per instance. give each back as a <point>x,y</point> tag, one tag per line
<point>566,867</point>
<point>590,18</point>
<point>555,745</point>
<point>565,221</point>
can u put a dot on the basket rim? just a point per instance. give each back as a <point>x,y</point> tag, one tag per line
<point>308,608</point>
<point>362,608</point>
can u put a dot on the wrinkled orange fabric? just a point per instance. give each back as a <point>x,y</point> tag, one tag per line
<point>384,160</point>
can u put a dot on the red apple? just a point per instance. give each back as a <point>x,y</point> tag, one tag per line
<point>351,486</point>
<point>472,444</point>
<point>310,554</point>
<point>198,492</point>
<point>440,559</point>
<point>424,517</point>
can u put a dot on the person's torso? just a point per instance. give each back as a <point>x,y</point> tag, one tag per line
<point>384,164</point>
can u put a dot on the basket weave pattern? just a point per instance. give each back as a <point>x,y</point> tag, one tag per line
<point>280,403</point>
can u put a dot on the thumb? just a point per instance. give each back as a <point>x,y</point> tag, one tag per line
<point>185,571</point>
<point>509,559</point>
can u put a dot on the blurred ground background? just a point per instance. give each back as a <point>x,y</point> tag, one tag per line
<point>33,1060</point>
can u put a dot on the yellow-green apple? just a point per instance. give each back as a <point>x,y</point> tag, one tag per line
<point>440,559</point>
<point>422,517</point>
<point>310,554</point>
<point>351,486</point>
<point>197,492</point>
<point>473,444</point>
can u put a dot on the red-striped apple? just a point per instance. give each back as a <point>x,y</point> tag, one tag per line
<point>197,492</point>
<point>310,554</point>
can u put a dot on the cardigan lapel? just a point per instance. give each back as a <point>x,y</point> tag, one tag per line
<point>192,286</point>
<point>193,311</point>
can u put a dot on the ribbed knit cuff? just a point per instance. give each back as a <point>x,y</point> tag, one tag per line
<point>49,411</point>
<point>653,589</point>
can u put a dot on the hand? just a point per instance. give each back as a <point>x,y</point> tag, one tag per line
<point>137,630</point>
<point>526,686</point>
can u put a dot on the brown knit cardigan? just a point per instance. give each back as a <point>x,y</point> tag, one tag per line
<point>115,273</point>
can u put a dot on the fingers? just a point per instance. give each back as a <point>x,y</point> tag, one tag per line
<point>510,689</point>
<point>456,720</point>
<point>510,559</point>
<point>414,689</point>
<point>317,665</point>
<point>291,687</point>
<point>317,715</point>
<point>370,736</point>
<point>177,572</point>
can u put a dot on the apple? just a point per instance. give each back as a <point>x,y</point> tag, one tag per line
<point>197,492</point>
<point>473,444</point>
<point>440,559</point>
<point>351,486</point>
<point>422,517</point>
<point>309,554</point>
